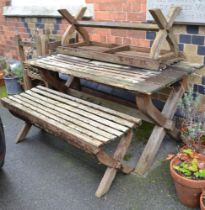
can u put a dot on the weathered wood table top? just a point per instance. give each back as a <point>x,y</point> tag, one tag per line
<point>125,77</point>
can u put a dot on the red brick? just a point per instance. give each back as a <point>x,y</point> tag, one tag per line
<point>132,7</point>
<point>118,32</point>
<point>118,40</point>
<point>136,34</point>
<point>111,39</point>
<point>136,17</point>
<point>95,37</point>
<point>105,1</point>
<point>140,43</point>
<point>112,16</point>
<point>109,7</point>
<point>126,41</point>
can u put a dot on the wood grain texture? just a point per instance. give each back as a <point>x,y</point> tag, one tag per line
<point>90,122</point>
<point>83,124</point>
<point>73,22</point>
<point>166,31</point>
<point>97,51</point>
<point>159,132</point>
<point>52,127</point>
<point>125,77</point>
<point>71,28</point>
<point>119,25</point>
<point>110,173</point>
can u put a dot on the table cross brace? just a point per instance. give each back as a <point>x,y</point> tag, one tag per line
<point>73,25</point>
<point>166,31</point>
<point>159,132</point>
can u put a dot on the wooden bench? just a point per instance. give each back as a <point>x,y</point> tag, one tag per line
<point>85,125</point>
<point>154,58</point>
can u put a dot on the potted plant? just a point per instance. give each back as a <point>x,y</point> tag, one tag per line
<point>12,80</point>
<point>187,168</point>
<point>192,126</point>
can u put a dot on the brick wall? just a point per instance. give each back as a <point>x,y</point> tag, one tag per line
<point>120,10</point>
<point>191,38</point>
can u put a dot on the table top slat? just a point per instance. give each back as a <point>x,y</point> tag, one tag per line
<point>125,77</point>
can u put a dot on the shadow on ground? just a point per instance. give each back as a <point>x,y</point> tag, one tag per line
<point>44,172</point>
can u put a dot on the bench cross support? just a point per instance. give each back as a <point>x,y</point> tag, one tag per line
<point>23,132</point>
<point>111,172</point>
<point>159,131</point>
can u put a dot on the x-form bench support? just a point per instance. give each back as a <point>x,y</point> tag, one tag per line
<point>163,121</point>
<point>114,163</point>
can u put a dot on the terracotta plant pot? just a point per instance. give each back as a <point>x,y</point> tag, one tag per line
<point>188,190</point>
<point>202,205</point>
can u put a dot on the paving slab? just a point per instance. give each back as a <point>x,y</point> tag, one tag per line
<point>45,173</point>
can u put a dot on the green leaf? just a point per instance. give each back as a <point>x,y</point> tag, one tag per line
<point>184,165</point>
<point>193,168</point>
<point>200,174</point>
<point>187,151</point>
<point>176,167</point>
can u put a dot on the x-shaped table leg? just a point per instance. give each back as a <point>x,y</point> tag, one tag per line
<point>166,31</point>
<point>159,131</point>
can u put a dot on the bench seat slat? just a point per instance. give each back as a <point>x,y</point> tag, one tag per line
<point>92,105</point>
<point>51,109</point>
<point>70,117</point>
<point>40,120</point>
<point>57,117</point>
<point>75,116</point>
<point>80,112</point>
<point>86,108</point>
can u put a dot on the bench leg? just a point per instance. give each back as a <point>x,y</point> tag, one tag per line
<point>27,80</point>
<point>73,82</point>
<point>159,132</point>
<point>110,173</point>
<point>23,132</point>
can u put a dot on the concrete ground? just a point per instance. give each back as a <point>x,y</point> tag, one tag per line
<point>45,173</point>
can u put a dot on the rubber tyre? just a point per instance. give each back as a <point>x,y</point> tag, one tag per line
<point>2,145</point>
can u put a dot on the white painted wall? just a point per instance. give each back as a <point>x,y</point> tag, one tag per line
<point>46,3</point>
<point>47,8</point>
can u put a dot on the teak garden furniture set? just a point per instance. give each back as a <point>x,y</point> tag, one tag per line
<point>64,110</point>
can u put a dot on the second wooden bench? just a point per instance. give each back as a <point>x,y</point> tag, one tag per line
<point>85,125</point>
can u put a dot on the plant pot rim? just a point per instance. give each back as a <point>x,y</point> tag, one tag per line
<point>10,77</point>
<point>183,180</point>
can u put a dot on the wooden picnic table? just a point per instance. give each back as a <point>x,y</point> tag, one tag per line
<point>74,113</point>
<point>143,83</point>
